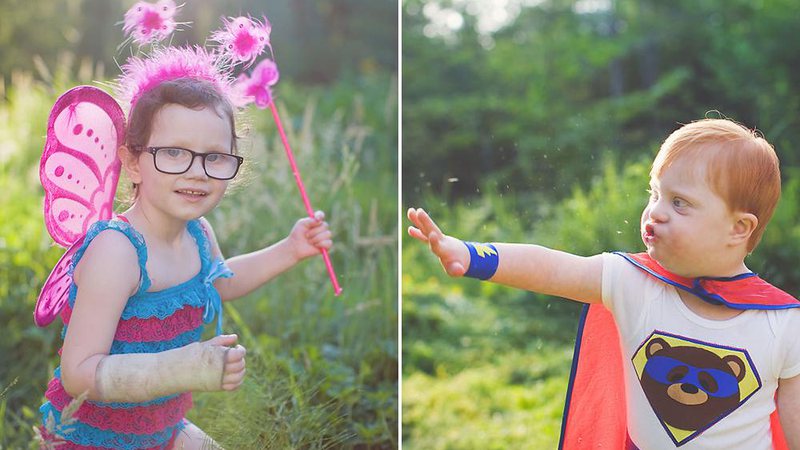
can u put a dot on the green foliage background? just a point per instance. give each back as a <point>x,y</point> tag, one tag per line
<point>543,131</point>
<point>316,42</point>
<point>322,370</point>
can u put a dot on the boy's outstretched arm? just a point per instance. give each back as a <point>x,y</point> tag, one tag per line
<point>531,267</point>
<point>789,409</point>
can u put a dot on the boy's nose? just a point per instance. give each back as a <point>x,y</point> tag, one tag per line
<point>657,211</point>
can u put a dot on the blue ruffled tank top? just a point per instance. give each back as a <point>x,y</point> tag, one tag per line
<point>151,322</point>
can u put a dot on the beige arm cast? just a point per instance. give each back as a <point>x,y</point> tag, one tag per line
<point>144,376</point>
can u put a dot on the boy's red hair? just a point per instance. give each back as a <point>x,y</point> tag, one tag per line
<point>742,166</point>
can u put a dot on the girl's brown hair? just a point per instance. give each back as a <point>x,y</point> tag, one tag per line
<point>187,92</point>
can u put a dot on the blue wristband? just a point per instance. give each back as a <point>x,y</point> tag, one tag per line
<point>483,260</point>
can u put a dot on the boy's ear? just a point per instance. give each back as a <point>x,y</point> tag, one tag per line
<point>744,227</point>
<point>130,163</point>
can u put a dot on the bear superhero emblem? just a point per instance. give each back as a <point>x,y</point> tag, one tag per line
<point>691,385</point>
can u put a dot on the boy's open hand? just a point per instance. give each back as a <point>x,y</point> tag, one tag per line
<point>452,253</point>
<point>309,236</point>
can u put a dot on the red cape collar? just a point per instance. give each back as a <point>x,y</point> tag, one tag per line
<point>745,291</point>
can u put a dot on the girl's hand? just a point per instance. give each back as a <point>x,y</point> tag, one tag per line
<point>233,369</point>
<point>309,236</point>
<point>452,253</point>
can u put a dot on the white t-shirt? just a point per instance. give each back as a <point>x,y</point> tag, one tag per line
<point>692,382</point>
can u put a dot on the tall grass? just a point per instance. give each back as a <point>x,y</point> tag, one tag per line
<point>322,371</point>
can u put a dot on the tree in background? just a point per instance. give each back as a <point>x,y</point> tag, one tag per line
<point>317,41</point>
<point>538,101</point>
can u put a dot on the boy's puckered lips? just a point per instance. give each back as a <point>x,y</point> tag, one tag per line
<point>649,233</point>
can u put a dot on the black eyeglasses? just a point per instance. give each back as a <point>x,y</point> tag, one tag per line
<point>177,160</point>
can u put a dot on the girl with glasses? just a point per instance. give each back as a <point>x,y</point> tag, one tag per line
<point>144,282</point>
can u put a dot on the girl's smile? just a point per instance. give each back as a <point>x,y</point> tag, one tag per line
<point>192,195</point>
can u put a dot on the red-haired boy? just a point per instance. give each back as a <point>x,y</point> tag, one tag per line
<point>705,342</point>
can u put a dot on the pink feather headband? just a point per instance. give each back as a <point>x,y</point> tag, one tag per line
<point>139,75</point>
<point>241,40</point>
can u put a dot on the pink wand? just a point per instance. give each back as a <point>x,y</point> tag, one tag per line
<point>336,289</point>
<point>245,39</point>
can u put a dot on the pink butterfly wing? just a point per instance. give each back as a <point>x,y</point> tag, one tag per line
<point>55,291</point>
<point>79,168</point>
<point>79,171</point>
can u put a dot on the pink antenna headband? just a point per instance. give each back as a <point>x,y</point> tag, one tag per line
<point>140,75</point>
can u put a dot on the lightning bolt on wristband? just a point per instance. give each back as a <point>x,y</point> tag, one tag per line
<point>483,260</point>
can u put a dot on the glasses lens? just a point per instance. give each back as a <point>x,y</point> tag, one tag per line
<point>221,165</point>
<point>173,160</point>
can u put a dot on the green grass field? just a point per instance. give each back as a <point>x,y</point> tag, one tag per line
<point>482,369</point>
